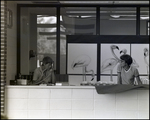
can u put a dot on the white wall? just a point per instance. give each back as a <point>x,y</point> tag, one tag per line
<point>12,45</point>
<point>77,102</point>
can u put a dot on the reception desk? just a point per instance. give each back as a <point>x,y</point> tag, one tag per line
<point>50,102</point>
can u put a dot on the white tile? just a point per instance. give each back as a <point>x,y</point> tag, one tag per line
<point>82,114</point>
<point>38,104</point>
<point>82,104</point>
<point>17,114</point>
<point>105,114</point>
<point>60,93</point>
<point>127,114</point>
<point>143,115</point>
<point>60,104</point>
<point>105,104</point>
<point>60,114</point>
<point>39,93</point>
<point>38,114</point>
<point>104,96</point>
<point>126,104</point>
<point>143,105</point>
<point>82,94</point>
<point>17,93</point>
<point>16,104</point>
<point>132,94</point>
<point>143,94</point>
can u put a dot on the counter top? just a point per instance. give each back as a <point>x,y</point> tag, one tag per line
<point>101,89</point>
<point>48,87</point>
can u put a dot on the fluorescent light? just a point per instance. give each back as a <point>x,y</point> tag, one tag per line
<point>144,18</point>
<point>115,16</point>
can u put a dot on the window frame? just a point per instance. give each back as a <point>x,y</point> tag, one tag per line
<point>58,6</point>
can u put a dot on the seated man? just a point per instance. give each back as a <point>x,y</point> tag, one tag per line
<point>126,72</point>
<point>45,73</point>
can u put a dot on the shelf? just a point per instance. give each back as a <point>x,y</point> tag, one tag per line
<point>117,88</point>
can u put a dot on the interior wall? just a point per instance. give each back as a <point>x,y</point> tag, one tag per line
<point>12,45</point>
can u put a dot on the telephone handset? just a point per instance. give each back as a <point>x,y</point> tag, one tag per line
<point>52,64</point>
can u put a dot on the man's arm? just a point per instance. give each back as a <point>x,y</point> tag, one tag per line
<point>138,80</point>
<point>35,75</point>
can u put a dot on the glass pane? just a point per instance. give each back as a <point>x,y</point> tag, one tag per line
<point>75,21</point>
<point>24,40</point>
<point>79,20</point>
<point>38,37</point>
<point>46,36</point>
<point>82,62</point>
<point>144,18</point>
<point>118,21</point>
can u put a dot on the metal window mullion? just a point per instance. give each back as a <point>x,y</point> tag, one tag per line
<point>138,20</point>
<point>58,42</point>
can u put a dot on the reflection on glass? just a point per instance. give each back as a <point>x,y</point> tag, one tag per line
<point>46,37</point>
<point>117,21</point>
<point>38,35</point>
<point>110,55</point>
<point>82,61</point>
<point>141,55</point>
<point>78,20</point>
<point>75,21</point>
<point>83,56</point>
<point>46,19</point>
<point>144,18</point>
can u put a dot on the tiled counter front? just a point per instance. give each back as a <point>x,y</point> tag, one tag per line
<point>74,102</point>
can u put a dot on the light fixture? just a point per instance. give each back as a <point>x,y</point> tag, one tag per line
<point>145,18</point>
<point>115,16</point>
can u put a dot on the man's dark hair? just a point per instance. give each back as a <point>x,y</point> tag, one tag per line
<point>47,59</point>
<point>127,58</point>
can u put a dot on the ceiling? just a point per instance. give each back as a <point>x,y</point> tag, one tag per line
<point>125,13</point>
<point>84,2</point>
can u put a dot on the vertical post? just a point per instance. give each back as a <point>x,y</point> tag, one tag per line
<point>58,42</point>
<point>138,21</point>
<point>98,45</point>
<point>18,39</point>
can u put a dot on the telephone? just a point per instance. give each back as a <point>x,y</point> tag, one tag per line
<point>52,64</point>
